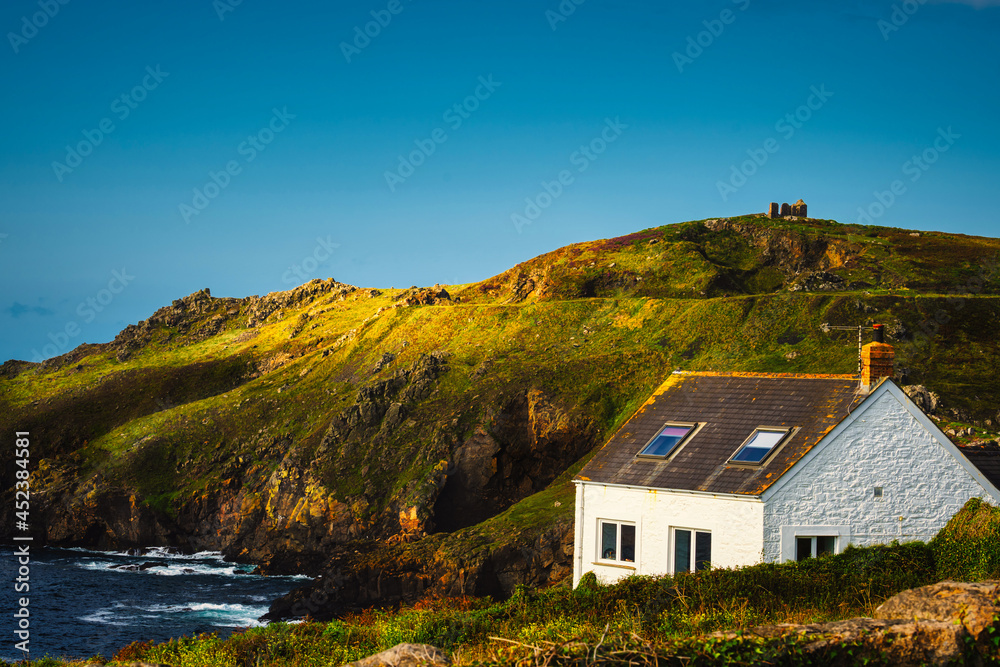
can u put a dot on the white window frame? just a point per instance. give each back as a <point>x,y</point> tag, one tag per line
<point>789,534</point>
<point>672,546</point>
<point>617,561</point>
<point>787,435</point>
<point>694,426</point>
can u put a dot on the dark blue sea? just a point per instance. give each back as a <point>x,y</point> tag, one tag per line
<point>83,603</point>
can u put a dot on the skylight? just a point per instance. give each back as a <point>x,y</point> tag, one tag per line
<point>761,443</point>
<point>667,440</point>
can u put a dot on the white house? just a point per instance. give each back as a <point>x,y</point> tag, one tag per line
<point>737,468</point>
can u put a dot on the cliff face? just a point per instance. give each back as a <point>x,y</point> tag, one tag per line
<point>403,441</point>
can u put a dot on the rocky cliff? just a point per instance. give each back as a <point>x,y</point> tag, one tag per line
<point>401,442</point>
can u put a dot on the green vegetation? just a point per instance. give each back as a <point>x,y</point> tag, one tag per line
<point>269,418</point>
<point>665,617</point>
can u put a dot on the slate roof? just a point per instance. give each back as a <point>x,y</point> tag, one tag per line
<point>986,458</point>
<point>731,406</point>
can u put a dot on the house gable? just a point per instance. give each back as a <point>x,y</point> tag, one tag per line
<point>886,472</point>
<point>988,482</point>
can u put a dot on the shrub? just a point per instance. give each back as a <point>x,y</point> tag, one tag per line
<point>968,547</point>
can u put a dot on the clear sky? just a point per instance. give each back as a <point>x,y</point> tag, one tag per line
<point>153,149</point>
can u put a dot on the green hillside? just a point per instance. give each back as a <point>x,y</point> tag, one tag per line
<point>419,431</point>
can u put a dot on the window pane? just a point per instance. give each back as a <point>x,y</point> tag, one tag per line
<point>758,447</point>
<point>609,540</point>
<point>628,543</point>
<point>826,544</point>
<point>666,440</point>
<point>702,551</point>
<point>803,548</point>
<point>682,551</point>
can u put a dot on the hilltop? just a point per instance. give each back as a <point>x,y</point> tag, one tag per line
<point>411,441</point>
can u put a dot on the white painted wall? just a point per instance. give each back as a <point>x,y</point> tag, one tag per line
<point>882,444</point>
<point>736,526</point>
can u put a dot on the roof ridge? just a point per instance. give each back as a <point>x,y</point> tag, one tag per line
<point>803,376</point>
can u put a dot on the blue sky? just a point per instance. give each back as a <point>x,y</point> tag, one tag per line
<point>151,151</point>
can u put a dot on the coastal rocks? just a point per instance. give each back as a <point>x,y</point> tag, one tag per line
<point>789,251</point>
<point>374,401</point>
<point>258,308</point>
<point>933,625</point>
<point>819,281</point>
<point>387,358</point>
<point>389,575</point>
<point>406,655</point>
<point>428,296</point>
<point>517,452</point>
<point>925,399</point>
<point>973,606</point>
<point>289,525</point>
<point>105,521</point>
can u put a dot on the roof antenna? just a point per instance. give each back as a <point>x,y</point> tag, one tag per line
<point>827,328</point>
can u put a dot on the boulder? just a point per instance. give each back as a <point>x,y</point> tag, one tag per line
<point>926,400</point>
<point>405,655</point>
<point>972,605</point>
<point>944,623</point>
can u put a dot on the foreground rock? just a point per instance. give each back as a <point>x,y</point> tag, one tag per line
<point>405,655</point>
<point>948,622</point>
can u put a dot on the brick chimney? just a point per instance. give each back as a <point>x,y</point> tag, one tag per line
<point>876,359</point>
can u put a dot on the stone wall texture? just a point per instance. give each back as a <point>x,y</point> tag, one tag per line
<point>922,483</point>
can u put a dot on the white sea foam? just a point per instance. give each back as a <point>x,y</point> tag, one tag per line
<point>222,615</point>
<point>103,617</point>
<point>171,564</point>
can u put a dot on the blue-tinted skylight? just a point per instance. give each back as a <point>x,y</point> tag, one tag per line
<point>758,446</point>
<point>667,439</point>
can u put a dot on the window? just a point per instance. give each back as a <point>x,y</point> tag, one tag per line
<point>617,541</point>
<point>667,440</point>
<point>692,550</point>
<point>801,542</point>
<point>760,443</point>
<point>814,547</point>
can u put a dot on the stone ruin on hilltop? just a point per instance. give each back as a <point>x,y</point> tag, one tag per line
<point>798,210</point>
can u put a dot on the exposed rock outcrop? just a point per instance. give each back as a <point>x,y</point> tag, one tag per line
<point>357,578</point>
<point>406,655</point>
<point>925,399</point>
<point>931,625</point>
<point>517,452</point>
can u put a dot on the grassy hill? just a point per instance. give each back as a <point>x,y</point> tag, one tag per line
<point>431,432</point>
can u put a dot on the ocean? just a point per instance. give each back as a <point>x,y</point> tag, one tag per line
<point>86,603</point>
